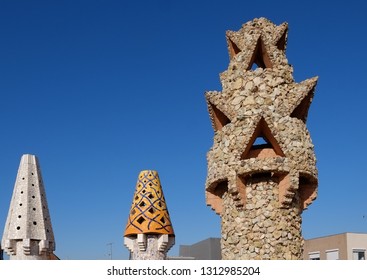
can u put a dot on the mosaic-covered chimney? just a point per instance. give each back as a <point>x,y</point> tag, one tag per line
<point>149,232</point>
<point>28,233</point>
<point>262,167</point>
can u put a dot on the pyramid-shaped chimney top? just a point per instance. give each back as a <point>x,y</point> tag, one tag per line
<point>149,213</point>
<point>28,216</point>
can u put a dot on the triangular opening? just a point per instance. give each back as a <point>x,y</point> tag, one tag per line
<point>233,48</point>
<point>260,57</point>
<point>301,111</point>
<point>262,143</point>
<point>254,67</point>
<point>282,40</point>
<point>219,119</point>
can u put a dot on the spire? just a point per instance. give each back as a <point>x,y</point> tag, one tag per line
<point>28,231</point>
<point>262,165</point>
<point>149,218</point>
<point>149,213</point>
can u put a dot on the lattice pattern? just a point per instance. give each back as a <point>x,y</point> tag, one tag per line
<point>148,212</point>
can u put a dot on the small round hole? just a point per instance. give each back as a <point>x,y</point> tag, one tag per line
<point>33,196</point>
<point>20,204</point>
<point>35,223</point>
<point>19,216</point>
<point>18,228</point>
<point>34,209</point>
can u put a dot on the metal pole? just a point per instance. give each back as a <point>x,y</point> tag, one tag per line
<point>110,254</point>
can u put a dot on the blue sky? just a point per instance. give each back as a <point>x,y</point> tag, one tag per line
<point>100,90</point>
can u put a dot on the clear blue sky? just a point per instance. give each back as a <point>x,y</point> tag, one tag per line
<point>100,90</point>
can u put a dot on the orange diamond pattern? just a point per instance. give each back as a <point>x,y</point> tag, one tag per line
<point>149,213</point>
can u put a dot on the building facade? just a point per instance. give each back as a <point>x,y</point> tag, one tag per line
<point>208,249</point>
<point>344,246</point>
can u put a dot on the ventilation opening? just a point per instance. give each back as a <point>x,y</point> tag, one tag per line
<point>151,210</point>
<point>142,204</point>
<point>303,181</point>
<point>233,48</point>
<point>282,41</point>
<point>261,176</point>
<point>163,220</point>
<point>215,193</point>
<point>307,190</point>
<point>221,188</point>
<point>219,119</point>
<point>151,196</point>
<point>254,67</point>
<point>262,143</point>
<point>260,57</point>
<point>301,111</point>
<point>133,212</point>
<point>140,220</point>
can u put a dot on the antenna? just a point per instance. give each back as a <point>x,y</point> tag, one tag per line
<point>110,253</point>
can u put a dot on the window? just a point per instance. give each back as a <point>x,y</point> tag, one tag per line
<point>332,254</point>
<point>314,256</point>
<point>359,254</point>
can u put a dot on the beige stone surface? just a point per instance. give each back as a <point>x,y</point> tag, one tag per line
<point>28,233</point>
<point>260,188</point>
